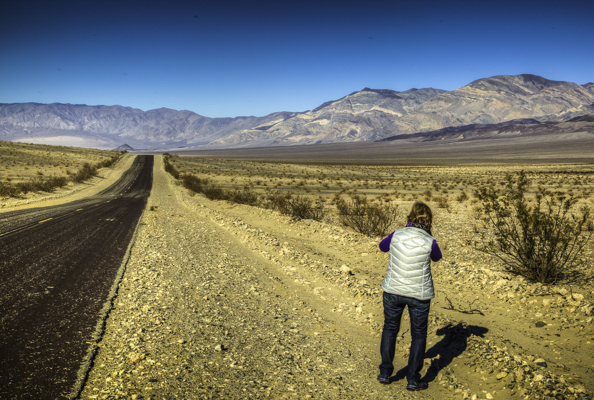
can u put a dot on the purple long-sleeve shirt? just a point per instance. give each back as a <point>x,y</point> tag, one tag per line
<point>435,250</point>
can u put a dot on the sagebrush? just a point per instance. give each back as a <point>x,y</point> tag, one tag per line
<point>364,217</point>
<point>540,239</point>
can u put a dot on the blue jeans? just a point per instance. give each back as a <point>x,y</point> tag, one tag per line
<point>418,311</point>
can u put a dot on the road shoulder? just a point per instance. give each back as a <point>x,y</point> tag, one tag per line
<point>201,314</point>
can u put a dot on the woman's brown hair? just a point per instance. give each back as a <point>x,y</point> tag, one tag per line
<point>420,214</point>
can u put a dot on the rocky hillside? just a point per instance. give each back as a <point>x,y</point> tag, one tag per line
<point>377,114</point>
<point>366,115</point>
<point>111,126</point>
<point>517,127</point>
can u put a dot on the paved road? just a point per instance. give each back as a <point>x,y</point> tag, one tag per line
<point>57,265</point>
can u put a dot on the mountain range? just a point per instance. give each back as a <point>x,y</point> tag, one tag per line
<point>365,115</point>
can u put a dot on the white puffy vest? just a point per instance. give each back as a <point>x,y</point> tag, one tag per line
<point>409,269</point>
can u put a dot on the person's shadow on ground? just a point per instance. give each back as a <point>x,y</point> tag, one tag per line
<point>454,342</point>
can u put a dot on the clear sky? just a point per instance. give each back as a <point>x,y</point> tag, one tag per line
<point>229,58</point>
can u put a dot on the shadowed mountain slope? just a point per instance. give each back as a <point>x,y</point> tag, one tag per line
<point>521,127</point>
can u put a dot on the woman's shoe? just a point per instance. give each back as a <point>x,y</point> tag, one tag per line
<point>414,386</point>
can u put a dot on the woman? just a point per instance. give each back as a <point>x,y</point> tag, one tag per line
<point>408,283</point>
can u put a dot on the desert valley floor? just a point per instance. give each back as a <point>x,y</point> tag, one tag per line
<point>221,300</point>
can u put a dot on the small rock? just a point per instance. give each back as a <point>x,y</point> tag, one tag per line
<point>546,302</point>
<point>219,347</point>
<point>501,375</point>
<point>346,270</point>
<point>135,357</point>
<point>540,362</point>
<point>489,396</point>
<point>540,324</point>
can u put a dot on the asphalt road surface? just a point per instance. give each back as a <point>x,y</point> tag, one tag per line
<point>57,265</point>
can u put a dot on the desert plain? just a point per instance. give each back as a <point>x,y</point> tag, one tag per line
<point>226,300</point>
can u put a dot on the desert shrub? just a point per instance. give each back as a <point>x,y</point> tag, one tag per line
<point>367,218</point>
<point>48,185</point>
<point>193,183</point>
<point>298,207</point>
<point>248,197</point>
<point>301,207</point>
<point>279,201</point>
<point>442,202</point>
<point>589,226</point>
<point>58,181</point>
<point>541,241</point>
<point>38,184</point>
<point>9,190</point>
<point>170,168</point>
<point>214,192</point>
<point>462,197</point>
<point>85,172</point>
<point>26,187</point>
<point>110,161</point>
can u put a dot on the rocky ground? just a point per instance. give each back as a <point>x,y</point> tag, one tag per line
<point>224,300</point>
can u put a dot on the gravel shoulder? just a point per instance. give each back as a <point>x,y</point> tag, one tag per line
<point>236,301</point>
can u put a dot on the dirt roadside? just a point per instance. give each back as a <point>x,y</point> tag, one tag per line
<point>73,191</point>
<point>201,313</point>
<point>222,300</point>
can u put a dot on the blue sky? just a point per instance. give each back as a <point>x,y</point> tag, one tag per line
<point>231,58</point>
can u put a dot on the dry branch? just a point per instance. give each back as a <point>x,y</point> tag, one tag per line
<point>469,311</point>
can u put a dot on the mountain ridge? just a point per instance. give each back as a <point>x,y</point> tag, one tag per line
<point>483,101</point>
<point>365,115</point>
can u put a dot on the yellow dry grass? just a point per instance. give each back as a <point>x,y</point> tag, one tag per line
<point>21,162</point>
<point>438,185</point>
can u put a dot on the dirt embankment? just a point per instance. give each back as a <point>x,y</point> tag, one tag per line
<point>73,191</point>
<point>223,300</point>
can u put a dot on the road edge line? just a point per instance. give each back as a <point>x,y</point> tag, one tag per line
<point>83,371</point>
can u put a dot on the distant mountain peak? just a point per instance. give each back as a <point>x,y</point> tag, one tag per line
<point>392,94</point>
<point>123,147</point>
<point>539,80</point>
<point>589,87</point>
<point>518,84</point>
